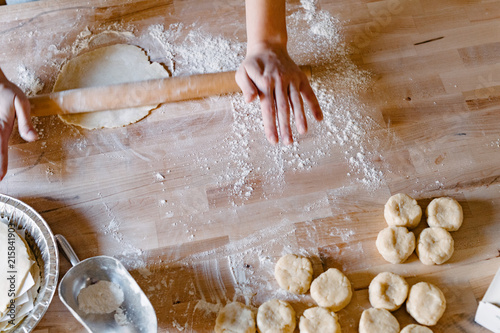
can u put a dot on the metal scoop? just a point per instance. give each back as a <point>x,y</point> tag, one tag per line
<point>140,314</point>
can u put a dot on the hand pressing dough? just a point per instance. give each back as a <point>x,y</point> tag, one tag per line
<point>294,273</point>
<point>388,291</point>
<point>318,319</point>
<point>276,316</point>
<point>426,303</point>
<point>378,321</point>
<point>434,246</point>
<point>395,244</point>
<point>445,213</point>
<point>105,66</point>
<point>331,290</point>
<point>403,211</point>
<point>412,328</point>
<point>235,317</point>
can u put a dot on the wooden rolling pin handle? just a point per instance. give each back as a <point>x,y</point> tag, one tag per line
<point>135,94</point>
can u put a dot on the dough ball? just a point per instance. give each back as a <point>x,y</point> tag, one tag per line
<point>276,316</point>
<point>416,329</point>
<point>426,303</point>
<point>388,291</point>
<point>108,65</point>
<point>445,213</point>
<point>378,321</point>
<point>294,273</point>
<point>331,290</point>
<point>403,211</point>
<point>434,246</point>
<point>318,319</point>
<point>235,317</point>
<point>395,244</point>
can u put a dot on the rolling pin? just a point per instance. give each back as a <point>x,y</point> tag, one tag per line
<point>135,94</point>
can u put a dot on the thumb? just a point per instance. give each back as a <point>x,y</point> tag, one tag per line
<point>247,86</point>
<point>23,110</point>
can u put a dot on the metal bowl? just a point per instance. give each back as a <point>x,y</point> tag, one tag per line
<point>43,246</point>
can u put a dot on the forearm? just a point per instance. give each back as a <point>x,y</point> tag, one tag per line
<point>266,23</point>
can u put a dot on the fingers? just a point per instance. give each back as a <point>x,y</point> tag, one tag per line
<point>311,100</point>
<point>23,109</point>
<point>283,107</point>
<point>247,86</point>
<point>267,106</point>
<point>298,110</point>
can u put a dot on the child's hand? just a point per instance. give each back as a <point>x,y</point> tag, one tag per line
<point>269,73</point>
<point>13,103</point>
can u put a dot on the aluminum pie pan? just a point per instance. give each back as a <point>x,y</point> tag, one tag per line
<point>43,246</point>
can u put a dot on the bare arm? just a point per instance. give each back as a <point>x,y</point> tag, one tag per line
<point>269,73</point>
<point>13,103</point>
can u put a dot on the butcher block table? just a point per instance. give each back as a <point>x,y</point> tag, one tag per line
<point>199,209</point>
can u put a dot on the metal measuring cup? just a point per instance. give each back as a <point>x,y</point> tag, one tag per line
<point>140,314</point>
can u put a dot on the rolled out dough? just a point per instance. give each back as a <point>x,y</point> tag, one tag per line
<point>108,65</point>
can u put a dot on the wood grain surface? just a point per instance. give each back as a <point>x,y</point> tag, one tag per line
<point>154,195</point>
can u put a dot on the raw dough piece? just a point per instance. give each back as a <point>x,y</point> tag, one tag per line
<point>318,319</point>
<point>294,273</point>
<point>235,317</point>
<point>434,246</point>
<point>378,321</point>
<point>445,213</point>
<point>395,244</point>
<point>22,266</point>
<point>331,290</point>
<point>426,303</point>
<point>276,316</point>
<point>388,291</point>
<point>413,328</point>
<point>108,65</point>
<point>100,298</point>
<point>403,211</point>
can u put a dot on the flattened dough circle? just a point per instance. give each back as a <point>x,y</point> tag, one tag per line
<point>446,213</point>
<point>235,317</point>
<point>403,211</point>
<point>426,303</point>
<point>294,273</point>
<point>108,65</point>
<point>388,291</point>
<point>319,319</point>
<point>331,290</point>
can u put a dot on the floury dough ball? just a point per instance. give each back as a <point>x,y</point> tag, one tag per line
<point>315,320</point>
<point>331,290</point>
<point>294,273</point>
<point>378,321</point>
<point>235,317</point>
<point>403,211</point>
<point>434,246</point>
<point>276,316</point>
<point>388,291</point>
<point>416,329</point>
<point>445,213</point>
<point>395,244</point>
<point>426,303</point>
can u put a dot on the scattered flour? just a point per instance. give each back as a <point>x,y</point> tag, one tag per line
<point>29,83</point>
<point>347,129</point>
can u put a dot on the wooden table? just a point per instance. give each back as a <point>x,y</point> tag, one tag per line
<point>153,194</point>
